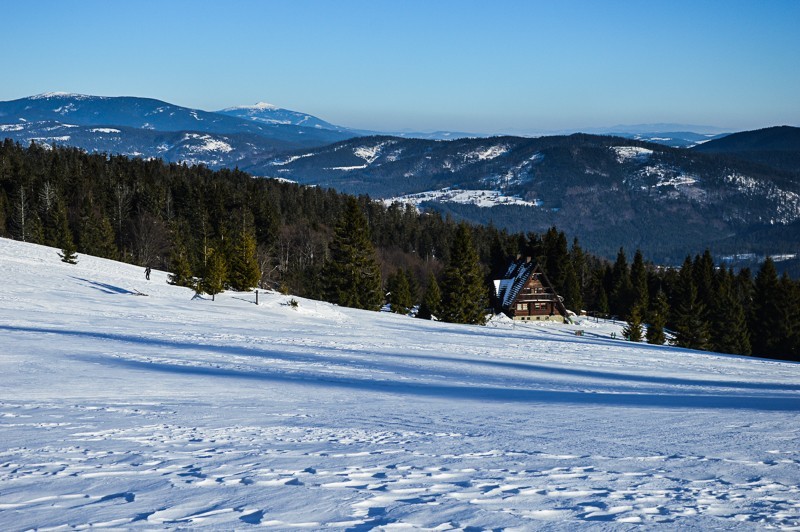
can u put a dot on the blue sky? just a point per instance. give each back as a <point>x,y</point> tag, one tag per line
<point>499,66</point>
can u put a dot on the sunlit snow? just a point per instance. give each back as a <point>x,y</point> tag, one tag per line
<point>209,143</point>
<point>626,153</point>
<point>481,198</point>
<point>120,410</point>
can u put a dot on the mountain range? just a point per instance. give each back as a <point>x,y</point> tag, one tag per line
<point>736,194</point>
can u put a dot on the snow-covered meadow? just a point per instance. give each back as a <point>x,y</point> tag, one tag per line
<point>164,411</point>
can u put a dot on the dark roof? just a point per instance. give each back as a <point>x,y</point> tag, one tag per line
<point>507,288</point>
<point>519,272</point>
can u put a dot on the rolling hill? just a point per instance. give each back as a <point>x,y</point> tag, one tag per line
<point>123,410</point>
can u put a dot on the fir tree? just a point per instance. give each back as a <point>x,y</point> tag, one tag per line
<point>633,329</point>
<point>64,238</point>
<point>703,273</point>
<point>579,269</point>
<point>572,290</point>
<point>640,291</point>
<point>179,266</point>
<point>413,287</point>
<point>352,277</point>
<point>243,271</point>
<point>399,292</point>
<point>213,281</point>
<point>463,292</point>
<point>21,214</point>
<point>659,312</point>
<point>602,301</point>
<point>431,301</point>
<point>789,330</point>
<point>96,233</point>
<point>691,330</point>
<point>766,312</point>
<point>556,258</point>
<point>620,299</point>
<point>728,320</point>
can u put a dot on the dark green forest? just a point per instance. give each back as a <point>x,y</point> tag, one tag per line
<point>217,230</point>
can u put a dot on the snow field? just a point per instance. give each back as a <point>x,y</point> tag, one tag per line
<point>164,411</point>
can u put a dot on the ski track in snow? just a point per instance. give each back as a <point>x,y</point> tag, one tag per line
<point>164,411</point>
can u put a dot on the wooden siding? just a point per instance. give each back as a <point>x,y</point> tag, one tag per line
<point>535,299</point>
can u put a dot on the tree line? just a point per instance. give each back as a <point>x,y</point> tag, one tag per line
<point>217,230</point>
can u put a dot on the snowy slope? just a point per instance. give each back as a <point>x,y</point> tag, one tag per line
<point>129,411</point>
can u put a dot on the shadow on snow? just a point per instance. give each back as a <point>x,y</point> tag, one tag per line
<point>770,399</point>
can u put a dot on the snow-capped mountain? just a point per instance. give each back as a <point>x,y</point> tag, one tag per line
<point>151,114</point>
<point>148,128</point>
<point>742,197</point>
<point>272,114</point>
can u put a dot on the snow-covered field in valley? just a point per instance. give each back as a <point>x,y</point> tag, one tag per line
<point>163,411</point>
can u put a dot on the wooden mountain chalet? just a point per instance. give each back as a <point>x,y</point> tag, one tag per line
<point>524,293</point>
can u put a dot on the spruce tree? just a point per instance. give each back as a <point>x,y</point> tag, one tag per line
<point>96,232</point>
<point>602,301</point>
<point>703,272</point>
<point>633,329</point>
<point>413,287</point>
<point>431,301</point>
<point>620,299</point>
<point>179,266</point>
<point>213,281</point>
<point>766,312</point>
<point>556,258</point>
<point>728,320</point>
<point>659,313</point>
<point>691,329</point>
<point>579,269</point>
<point>351,276</point>
<point>64,237</point>
<point>789,331</point>
<point>243,270</point>
<point>399,292</point>
<point>572,290</point>
<point>463,292</point>
<point>640,291</point>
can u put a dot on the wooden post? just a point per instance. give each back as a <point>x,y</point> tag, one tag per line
<point>256,297</point>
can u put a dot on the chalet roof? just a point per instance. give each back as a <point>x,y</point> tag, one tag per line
<point>507,288</point>
<point>516,277</point>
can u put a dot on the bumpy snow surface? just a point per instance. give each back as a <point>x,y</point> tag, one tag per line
<point>164,411</point>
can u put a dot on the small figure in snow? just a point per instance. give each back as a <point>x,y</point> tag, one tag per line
<point>147,273</point>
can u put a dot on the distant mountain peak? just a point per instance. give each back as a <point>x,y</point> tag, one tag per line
<point>57,94</point>
<point>260,106</point>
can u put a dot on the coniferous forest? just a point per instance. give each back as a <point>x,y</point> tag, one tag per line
<point>218,230</point>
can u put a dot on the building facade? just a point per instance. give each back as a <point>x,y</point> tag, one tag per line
<point>524,293</point>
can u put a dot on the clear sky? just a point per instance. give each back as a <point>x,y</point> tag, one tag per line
<point>478,66</point>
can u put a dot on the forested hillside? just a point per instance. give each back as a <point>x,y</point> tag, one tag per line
<point>606,190</point>
<point>224,229</point>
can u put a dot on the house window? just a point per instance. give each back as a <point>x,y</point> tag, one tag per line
<point>520,306</point>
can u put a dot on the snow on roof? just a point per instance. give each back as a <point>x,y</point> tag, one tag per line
<point>515,278</point>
